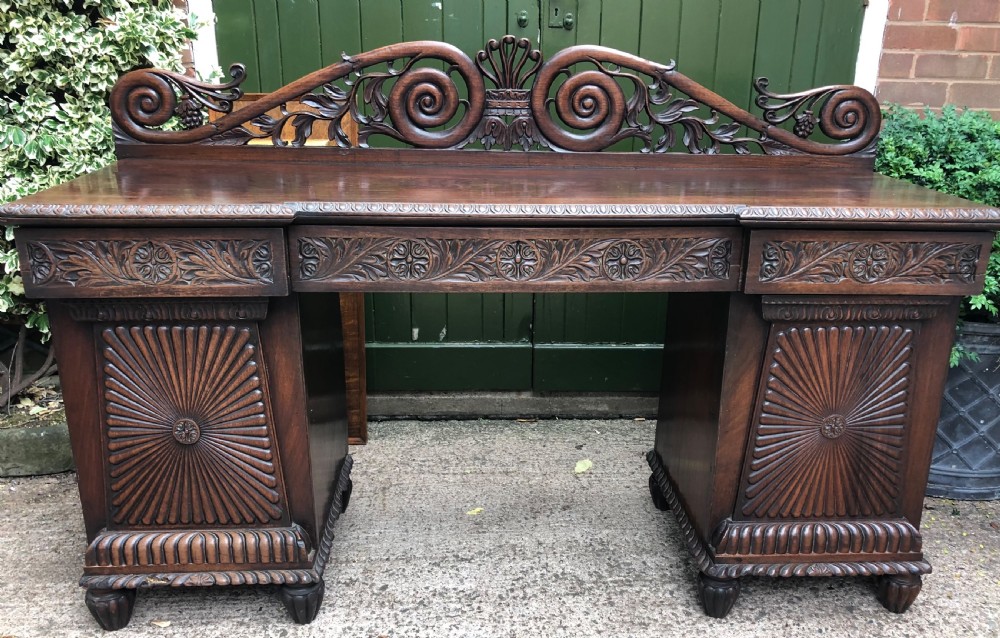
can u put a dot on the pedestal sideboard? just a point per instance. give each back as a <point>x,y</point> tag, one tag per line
<point>193,288</point>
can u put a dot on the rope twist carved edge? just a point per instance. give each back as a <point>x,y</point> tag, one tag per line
<point>432,95</point>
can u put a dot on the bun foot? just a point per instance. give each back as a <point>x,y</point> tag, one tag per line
<point>659,500</point>
<point>718,596</point>
<point>111,608</point>
<point>345,496</point>
<point>303,602</point>
<point>898,591</point>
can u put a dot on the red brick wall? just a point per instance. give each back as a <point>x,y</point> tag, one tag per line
<point>940,52</point>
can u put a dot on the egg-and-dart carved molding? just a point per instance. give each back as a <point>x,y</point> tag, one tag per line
<point>832,420</point>
<point>526,258</point>
<point>854,563</point>
<point>286,212</point>
<point>262,574</point>
<point>153,264</point>
<point>188,428</point>
<point>432,95</point>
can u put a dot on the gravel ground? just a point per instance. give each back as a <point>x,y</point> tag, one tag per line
<point>550,553</point>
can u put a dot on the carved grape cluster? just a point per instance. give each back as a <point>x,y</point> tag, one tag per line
<point>190,113</point>
<point>804,124</point>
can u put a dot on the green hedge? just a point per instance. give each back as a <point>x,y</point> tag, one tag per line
<point>58,62</point>
<point>955,152</point>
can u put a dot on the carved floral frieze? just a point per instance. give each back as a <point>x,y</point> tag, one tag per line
<point>100,263</point>
<point>366,259</point>
<point>868,262</point>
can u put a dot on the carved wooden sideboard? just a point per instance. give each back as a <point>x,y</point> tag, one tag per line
<point>193,288</point>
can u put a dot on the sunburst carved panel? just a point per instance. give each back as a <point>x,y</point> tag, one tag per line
<point>188,431</point>
<point>829,436</point>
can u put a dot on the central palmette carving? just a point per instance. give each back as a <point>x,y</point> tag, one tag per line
<point>432,95</point>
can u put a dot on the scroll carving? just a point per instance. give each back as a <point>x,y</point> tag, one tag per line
<point>432,95</point>
<point>539,260</point>
<point>102,263</point>
<point>189,439</point>
<point>868,262</point>
<point>834,406</point>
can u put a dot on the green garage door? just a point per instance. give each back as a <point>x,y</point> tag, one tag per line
<point>543,342</point>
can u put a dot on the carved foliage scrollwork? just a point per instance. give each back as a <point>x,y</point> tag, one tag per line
<point>101,263</point>
<point>480,260</point>
<point>868,262</point>
<point>432,95</point>
<point>189,438</point>
<point>831,423</point>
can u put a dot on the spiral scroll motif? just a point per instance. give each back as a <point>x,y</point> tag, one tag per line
<point>423,98</point>
<point>146,99</point>
<point>148,104</point>
<point>846,113</point>
<point>590,101</point>
<point>432,95</point>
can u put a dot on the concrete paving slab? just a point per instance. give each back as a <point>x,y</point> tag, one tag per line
<point>551,553</point>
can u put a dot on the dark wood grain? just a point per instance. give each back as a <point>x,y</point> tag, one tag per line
<point>153,263</point>
<point>396,187</point>
<point>212,363</point>
<point>372,258</point>
<point>352,311</point>
<point>890,263</point>
<point>602,96</point>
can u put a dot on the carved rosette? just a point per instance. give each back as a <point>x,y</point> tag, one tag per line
<point>623,260</point>
<point>867,262</point>
<point>374,260</point>
<point>831,423</point>
<point>82,264</point>
<point>189,438</point>
<point>517,260</point>
<point>408,259</point>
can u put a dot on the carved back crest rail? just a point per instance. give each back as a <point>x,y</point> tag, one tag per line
<point>432,95</point>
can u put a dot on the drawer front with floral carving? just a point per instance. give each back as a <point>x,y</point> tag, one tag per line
<point>864,263</point>
<point>409,259</point>
<point>153,263</point>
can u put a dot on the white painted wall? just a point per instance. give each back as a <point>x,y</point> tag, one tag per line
<point>204,51</point>
<point>870,51</point>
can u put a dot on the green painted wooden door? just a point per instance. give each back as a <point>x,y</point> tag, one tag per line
<point>545,342</point>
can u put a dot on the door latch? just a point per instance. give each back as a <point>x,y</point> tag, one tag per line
<point>562,14</point>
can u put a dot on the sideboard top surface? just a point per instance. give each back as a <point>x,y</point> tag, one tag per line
<point>464,188</point>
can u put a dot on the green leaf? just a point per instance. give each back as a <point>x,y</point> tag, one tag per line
<point>583,466</point>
